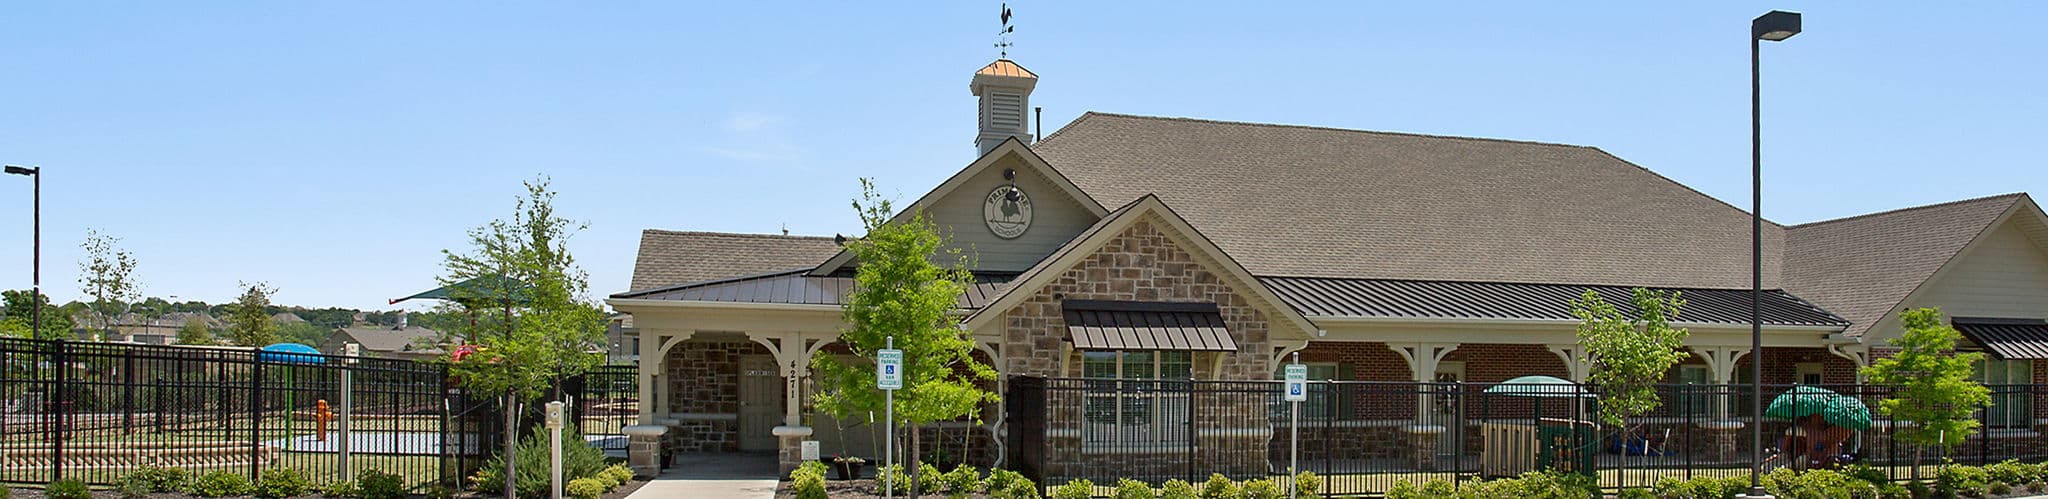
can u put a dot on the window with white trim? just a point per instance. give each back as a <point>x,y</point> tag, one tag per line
<point>1140,399</point>
<point>2011,406</point>
<point>1694,397</point>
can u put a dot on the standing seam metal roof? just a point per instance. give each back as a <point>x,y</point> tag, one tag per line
<point>1391,298</point>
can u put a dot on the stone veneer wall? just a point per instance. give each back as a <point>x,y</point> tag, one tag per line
<point>703,378</point>
<point>1144,264</point>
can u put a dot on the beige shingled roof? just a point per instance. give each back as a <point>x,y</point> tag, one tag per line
<point>1318,202</point>
<point>1861,267</point>
<point>670,258</point>
<point>385,339</point>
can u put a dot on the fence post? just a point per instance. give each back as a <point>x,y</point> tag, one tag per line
<point>128,390</point>
<point>58,403</point>
<point>441,386</point>
<point>256,418</point>
<point>1332,398</point>
<point>1188,395</point>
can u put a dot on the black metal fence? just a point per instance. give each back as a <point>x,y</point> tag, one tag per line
<point>607,400</point>
<point>95,411</point>
<point>1364,437</point>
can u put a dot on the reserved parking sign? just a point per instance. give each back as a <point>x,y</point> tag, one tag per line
<point>889,369</point>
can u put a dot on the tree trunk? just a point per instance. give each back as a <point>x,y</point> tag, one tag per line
<point>913,466</point>
<point>511,444</point>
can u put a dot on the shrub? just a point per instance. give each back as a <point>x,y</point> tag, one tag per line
<point>2000,488</point>
<point>1263,488</point>
<point>1075,489</point>
<point>340,489</point>
<point>579,459</point>
<point>962,481</point>
<point>928,478</point>
<point>129,487</point>
<point>1307,485</point>
<point>1952,481</point>
<point>809,467</point>
<point>1918,488</point>
<point>1133,489</point>
<point>892,476</point>
<point>161,479</point>
<point>6,493</point>
<point>282,482</point>
<point>69,488</point>
<point>619,474</point>
<point>1177,489</point>
<point>373,483</point>
<point>1428,490</point>
<point>1020,488</point>
<point>1538,485</point>
<point>808,485</point>
<point>584,488</point>
<point>1220,487</point>
<point>1635,493</point>
<point>1701,488</point>
<point>999,479</point>
<point>2012,473</point>
<point>221,484</point>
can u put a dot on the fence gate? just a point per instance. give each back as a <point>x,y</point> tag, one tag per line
<point>607,400</point>
<point>1024,413</point>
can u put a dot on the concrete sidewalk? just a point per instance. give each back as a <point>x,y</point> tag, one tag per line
<point>742,476</point>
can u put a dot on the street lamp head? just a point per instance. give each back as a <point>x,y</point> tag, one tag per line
<point>1775,26</point>
<point>21,170</point>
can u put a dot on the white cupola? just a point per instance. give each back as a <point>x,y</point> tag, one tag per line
<point>1005,91</point>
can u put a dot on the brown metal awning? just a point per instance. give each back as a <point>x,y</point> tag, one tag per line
<point>2007,339</point>
<point>1141,325</point>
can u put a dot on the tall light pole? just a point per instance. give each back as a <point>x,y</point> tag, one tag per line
<point>35,299</point>
<point>1775,26</point>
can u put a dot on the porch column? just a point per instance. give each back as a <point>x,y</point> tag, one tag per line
<point>1724,434</point>
<point>1575,365</point>
<point>644,438</point>
<point>1424,435</point>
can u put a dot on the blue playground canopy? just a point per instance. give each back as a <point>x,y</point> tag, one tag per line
<point>293,353</point>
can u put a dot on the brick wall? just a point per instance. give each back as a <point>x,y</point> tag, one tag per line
<point>1139,264</point>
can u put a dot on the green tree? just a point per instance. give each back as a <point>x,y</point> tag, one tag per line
<point>248,323</point>
<point>901,291</point>
<point>195,332</point>
<point>524,268</point>
<point>107,274</point>
<point>1932,389</point>
<point>18,317</point>
<point>1629,355</point>
<point>304,333</point>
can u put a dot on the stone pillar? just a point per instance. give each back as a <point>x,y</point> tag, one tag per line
<point>1422,443</point>
<point>1723,438</point>
<point>789,453</point>
<point>643,448</point>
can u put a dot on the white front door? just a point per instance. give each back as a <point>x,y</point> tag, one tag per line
<point>760,403</point>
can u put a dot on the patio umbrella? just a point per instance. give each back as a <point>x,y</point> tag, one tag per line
<point>1801,401</point>
<point>1847,412</point>
<point>1539,386</point>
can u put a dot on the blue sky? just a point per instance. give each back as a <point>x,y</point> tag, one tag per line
<point>333,149</point>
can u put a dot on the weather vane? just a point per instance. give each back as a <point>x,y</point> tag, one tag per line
<point>1003,37</point>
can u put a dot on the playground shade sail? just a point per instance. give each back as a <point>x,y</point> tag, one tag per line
<point>1802,401</point>
<point>1538,386</point>
<point>293,353</point>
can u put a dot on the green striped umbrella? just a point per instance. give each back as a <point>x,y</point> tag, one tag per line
<point>1801,401</point>
<point>1847,412</point>
<point>1539,386</point>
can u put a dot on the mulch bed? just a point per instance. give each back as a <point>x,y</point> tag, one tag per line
<point>852,489</point>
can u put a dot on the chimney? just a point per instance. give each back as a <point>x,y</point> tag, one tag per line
<point>1005,91</point>
<point>401,320</point>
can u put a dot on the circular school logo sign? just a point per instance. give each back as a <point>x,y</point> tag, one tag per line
<point>1007,211</point>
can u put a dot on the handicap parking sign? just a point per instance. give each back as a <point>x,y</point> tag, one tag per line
<point>889,375</point>
<point>1297,383</point>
